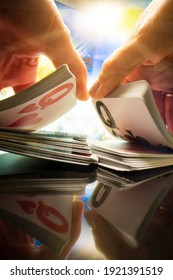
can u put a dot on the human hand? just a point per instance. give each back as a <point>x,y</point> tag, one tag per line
<point>29,28</point>
<point>156,244</point>
<point>17,244</point>
<point>147,54</point>
<point>107,240</point>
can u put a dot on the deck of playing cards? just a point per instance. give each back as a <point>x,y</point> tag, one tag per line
<point>36,195</point>
<point>123,180</point>
<point>24,114</point>
<point>45,217</point>
<point>41,171</point>
<point>130,114</point>
<point>55,146</point>
<point>40,104</point>
<point>130,211</point>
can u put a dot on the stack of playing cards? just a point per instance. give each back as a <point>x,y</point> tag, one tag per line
<point>36,195</point>
<point>130,211</point>
<point>123,180</point>
<point>128,156</point>
<point>61,147</point>
<point>40,104</point>
<point>48,218</point>
<point>36,163</point>
<point>130,114</point>
<point>33,109</point>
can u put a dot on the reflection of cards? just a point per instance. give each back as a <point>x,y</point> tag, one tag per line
<point>130,211</point>
<point>27,174</point>
<point>126,180</point>
<point>47,218</point>
<point>40,104</point>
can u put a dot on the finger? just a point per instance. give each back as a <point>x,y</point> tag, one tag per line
<point>116,68</point>
<point>38,28</point>
<point>19,88</point>
<point>18,71</point>
<point>77,211</point>
<point>159,75</point>
<point>61,50</point>
<point>77,67</point>
<point>107,239</point>
<point>146,45</point>
<point>15,243</point>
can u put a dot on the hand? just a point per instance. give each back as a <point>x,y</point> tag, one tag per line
<point>29,28</point>
<point>107,239</point>
<point>16,244</point>
<point>147,54</point>
<point>157,241</point>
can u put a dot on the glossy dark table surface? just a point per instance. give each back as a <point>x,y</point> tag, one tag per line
<point>104,222</point>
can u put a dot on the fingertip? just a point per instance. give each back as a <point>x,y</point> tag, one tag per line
<point>88,218</point>
<point>81,91</point>
<point>93,219</point>
<point>93,91</point>
<point>98,91</point>
<point>83,97</point>
<point>81,84</point>
<point>78,208</point>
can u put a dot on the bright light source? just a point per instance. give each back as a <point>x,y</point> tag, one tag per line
<point>100,20</point>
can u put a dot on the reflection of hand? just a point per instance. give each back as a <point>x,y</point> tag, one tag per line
<point>147,54</point>
<point>29,28</point>
<point>16,244</point>
<point>107,240</point>
<point>156,244</point>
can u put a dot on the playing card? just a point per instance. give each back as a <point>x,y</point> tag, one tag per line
<point>130,113</point>
<point>131,210</point>
<point>46,217</point>
<point>42,103</point>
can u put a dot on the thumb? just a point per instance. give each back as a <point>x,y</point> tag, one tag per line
<point>116,67</point>
<point>77,67</point>
<point>62,51</point>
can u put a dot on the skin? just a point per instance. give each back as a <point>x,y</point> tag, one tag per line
<point>147,54</point>
<point>17,245</point>
<point>29,28</point>
<point>156,243</point>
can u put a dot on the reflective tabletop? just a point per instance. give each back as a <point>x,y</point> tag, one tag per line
<point>82,215</point>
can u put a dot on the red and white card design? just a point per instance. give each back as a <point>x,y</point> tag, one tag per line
<point>41,110</point>
<point>45,217</point>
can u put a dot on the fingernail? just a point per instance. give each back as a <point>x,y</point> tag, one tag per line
<point>90,219</point>
<point>93,90</point>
